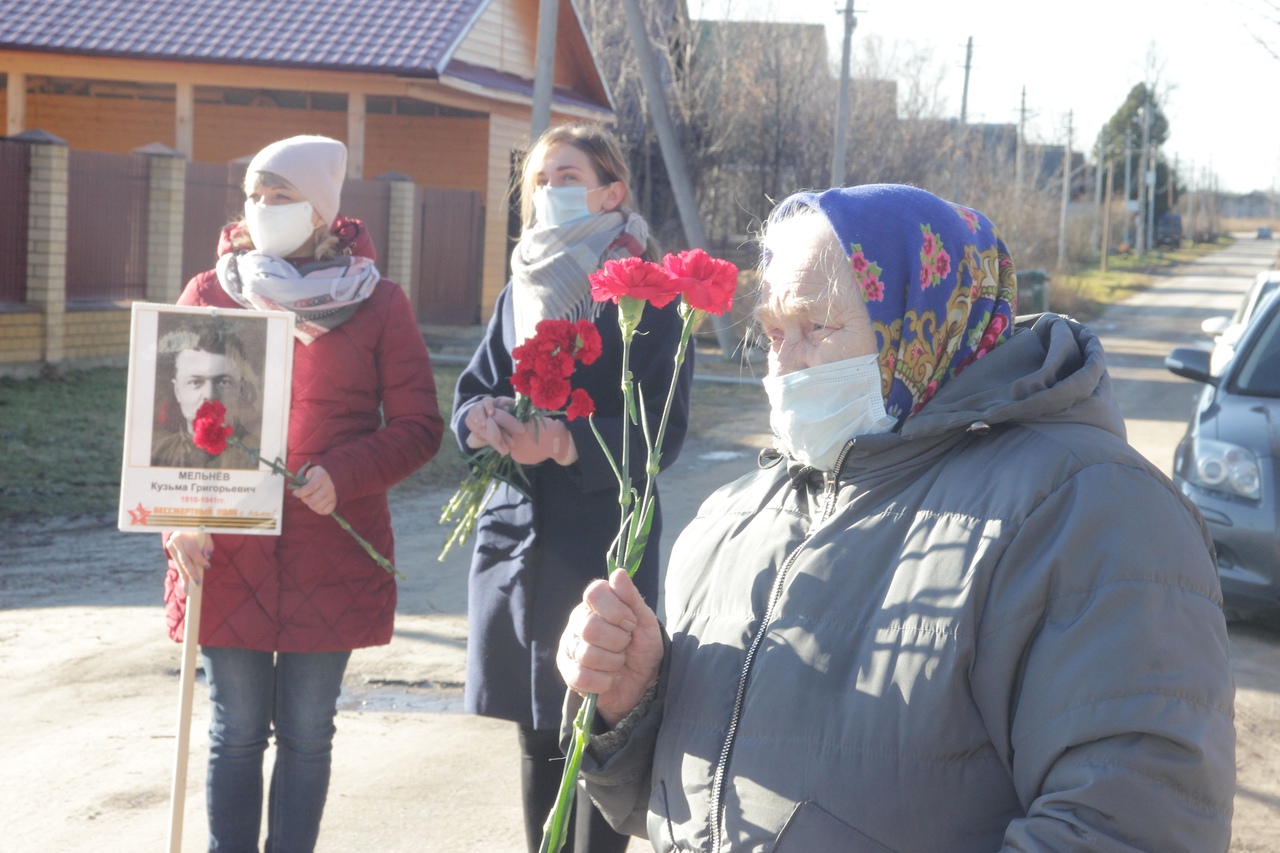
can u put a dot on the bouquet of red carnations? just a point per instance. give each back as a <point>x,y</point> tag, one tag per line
<point>544,364</point>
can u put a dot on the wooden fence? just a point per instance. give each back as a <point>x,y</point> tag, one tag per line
<point>15,166</point>
<point>107,198</point>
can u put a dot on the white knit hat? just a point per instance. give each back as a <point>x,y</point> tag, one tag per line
<point>315,165</point>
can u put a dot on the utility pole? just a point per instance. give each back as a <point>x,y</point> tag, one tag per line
<point>1019,146</point>
<point>964,100</point>
<point>1106,221</point>
<point>1142,185</point>
<point>1192,201</point>
<point>1095,238</point>
<point>842,108</point>
<point>1151,189</point>
<point>1066,197</point>
<point>544,67</point>
<point>681,186</point>
<point>1128,176</point>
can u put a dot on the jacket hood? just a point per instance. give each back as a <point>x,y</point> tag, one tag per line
<point>353,238</point>
<point>1051,370</point>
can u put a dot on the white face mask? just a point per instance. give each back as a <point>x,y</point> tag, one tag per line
<point>556,206</point>
<point>815,411</point>
<point>278,229</point>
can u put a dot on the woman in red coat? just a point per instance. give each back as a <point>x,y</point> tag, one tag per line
<point>282,614</point>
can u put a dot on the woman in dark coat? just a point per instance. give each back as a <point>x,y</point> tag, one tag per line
<point>535,552</point>
<point>281,614</point>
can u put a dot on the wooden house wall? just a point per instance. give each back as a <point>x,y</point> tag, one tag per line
<point>504,38</point>
<point>436,151</point>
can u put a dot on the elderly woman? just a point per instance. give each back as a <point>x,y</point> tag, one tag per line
<point>954,611</point>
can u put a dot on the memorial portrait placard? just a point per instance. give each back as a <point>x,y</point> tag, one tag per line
<point>179,357</point>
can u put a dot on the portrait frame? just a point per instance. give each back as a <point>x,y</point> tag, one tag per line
<point>179,356</point>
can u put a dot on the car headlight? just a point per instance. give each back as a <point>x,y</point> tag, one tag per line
<point>1224,467</point>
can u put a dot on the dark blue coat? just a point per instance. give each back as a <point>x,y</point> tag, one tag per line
<point>534,556</point>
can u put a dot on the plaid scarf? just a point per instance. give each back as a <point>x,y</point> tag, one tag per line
<point>549,266</point>
<point>321,294</point>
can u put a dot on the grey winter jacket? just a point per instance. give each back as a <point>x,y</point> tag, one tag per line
<point>997,630</point>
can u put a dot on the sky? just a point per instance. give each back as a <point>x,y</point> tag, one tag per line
<point>1082,58</point>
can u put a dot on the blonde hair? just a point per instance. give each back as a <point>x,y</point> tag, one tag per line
<point>326,247</point>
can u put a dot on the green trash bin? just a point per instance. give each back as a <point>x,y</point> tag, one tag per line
<point>1033,291</point>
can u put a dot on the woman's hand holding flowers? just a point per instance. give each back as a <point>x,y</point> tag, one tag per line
<point>542,439</point>
<point>612,646</point>
<point>491,424</point>
<point>319,493</point>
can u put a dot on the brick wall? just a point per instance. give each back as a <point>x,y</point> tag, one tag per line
<point>96,334</point>
<point>21,337</point>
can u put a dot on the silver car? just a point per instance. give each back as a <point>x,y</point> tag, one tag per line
<point>1227,461</point>
<point>1227,330</point>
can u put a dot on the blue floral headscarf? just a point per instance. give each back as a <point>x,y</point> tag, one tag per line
<point>936,279</point>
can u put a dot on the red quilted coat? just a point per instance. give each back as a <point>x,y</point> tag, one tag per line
<point>313,588</point>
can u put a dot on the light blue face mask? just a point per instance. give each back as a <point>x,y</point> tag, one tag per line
<point>556,206</point>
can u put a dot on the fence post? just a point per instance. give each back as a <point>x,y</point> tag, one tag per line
<point>401,234</point>
<point>47,236</point>
<point>166,205</point>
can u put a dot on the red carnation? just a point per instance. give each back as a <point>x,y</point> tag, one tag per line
<point>589,343</point>
<point>580,405</point>
<point>209,432</point>
<point>549,392</point>
<point>708,283</point>
<point>636,278</point>
<point>522,378</point>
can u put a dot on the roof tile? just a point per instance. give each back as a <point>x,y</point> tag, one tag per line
<point>404,37</point>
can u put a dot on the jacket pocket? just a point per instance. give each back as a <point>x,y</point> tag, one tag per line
<point>811,828</point>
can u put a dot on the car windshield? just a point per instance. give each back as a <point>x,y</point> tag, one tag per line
<point>1259,373</point>
<point>1255,297</point>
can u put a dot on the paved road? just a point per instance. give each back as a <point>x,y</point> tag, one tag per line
<point>90,683</point>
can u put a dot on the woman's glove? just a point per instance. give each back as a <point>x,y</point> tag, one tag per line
<point>542,439</point>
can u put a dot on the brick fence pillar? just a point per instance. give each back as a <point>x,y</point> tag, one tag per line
<point>47,237</point>
<point>166,204</point>
<point>402,237</point>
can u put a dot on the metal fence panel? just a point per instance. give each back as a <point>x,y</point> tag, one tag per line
<point>15,168</point>
<point>214,197</point>
<point>370,202</point>
<point>450,245</point>
<point>107,197</point>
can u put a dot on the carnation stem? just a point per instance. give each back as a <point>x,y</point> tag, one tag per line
<point>556,829</point>
<point>293,481</point>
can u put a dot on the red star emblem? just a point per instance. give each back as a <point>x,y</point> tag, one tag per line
<point>139,515</point>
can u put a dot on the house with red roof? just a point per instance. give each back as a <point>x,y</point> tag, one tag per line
<point>438,91</point>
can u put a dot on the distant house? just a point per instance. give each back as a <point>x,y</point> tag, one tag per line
<point>437,91</point>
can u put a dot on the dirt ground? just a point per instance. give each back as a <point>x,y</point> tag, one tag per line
<point>90,681</point>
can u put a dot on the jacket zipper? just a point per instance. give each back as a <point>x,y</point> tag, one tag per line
<point>718,828</point>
